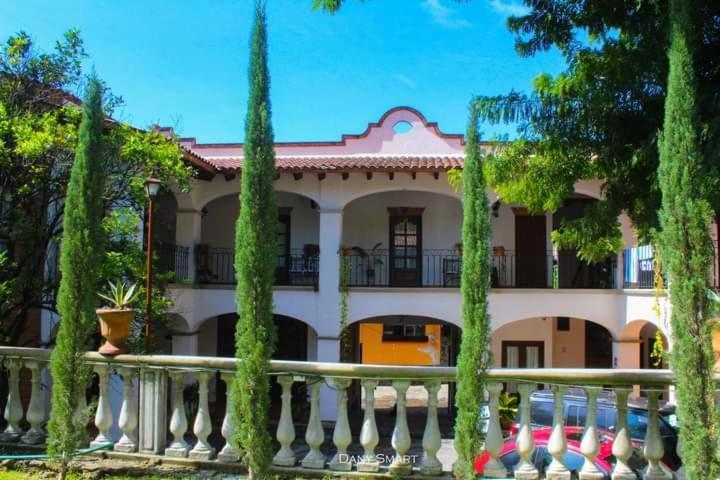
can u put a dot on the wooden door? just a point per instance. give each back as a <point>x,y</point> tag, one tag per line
<point>516,354</point>
<point>405,250</point>
<point>531,255</point>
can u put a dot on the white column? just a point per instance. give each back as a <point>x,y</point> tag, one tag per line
<point>36,410</point>
<point>228,452</point>
<point>286,428</point>
<point>590,446</point>
<point>369,436</point>
<point>622,447</point>
<point>494,468</point>
<point>103,414</point>
<point>13,408</point>
<point>188,233</point>
<point>525,443</point>
<point>202,428</point>
<point>314,434</point>
<point>401,440</point>
<point>178,421</point>
<point>152,436</point>
<point>128,414</point>
<point>342,436</point>
<point>328,308</point>
<point>654,449</point>
<point>431,441</point>
<point>557,446</point>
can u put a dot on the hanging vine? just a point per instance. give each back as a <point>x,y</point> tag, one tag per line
<point>344,309</point>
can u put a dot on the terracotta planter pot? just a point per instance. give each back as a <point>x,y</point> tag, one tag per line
<point>499,251</point>
<point>115,328</point>
<point>346,251</point>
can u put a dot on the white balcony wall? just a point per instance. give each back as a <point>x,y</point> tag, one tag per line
<point>218,224</point>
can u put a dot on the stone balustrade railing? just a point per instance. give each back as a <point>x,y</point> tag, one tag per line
<point>144,418</point>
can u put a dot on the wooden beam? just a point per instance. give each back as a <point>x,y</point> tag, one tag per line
<point>369,175</point>
<point>391,175</point>
<point>321,176</point>
<point>229,176</point>
<point>345,175</point>
<point>413,175</point>
<point>297,175</point>
<point>436,175</point>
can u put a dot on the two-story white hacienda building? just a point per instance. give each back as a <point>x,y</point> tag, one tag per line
<point>382,200</point>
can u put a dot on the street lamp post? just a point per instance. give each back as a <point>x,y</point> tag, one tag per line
<point>152,186</point>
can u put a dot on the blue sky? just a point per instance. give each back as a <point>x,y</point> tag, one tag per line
<point>183,63</point>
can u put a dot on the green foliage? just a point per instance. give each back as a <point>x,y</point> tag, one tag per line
<point>507,408</point>
<point>687,248</point>
<point>80,258</point>
<point>600,117</point>
<point>120,295</point>
<point>475,356</point>
<point>125,259</point>
<point>38,135</point>
<point>345,346</point>
<point>255,259</point>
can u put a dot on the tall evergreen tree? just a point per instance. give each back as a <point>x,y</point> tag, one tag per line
<point>255,257</point>
<point>474,355</point>
<point>80,259</point>
<point>686,247</point>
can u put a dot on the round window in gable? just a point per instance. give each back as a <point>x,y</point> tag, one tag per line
<point>402,127</point>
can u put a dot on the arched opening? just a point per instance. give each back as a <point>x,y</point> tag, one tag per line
<point>298,233</point>
<point>403,238</point>
<point>552,342</point>
<point>406,340</point>
<point>642,345</point>
<point>171,258</point>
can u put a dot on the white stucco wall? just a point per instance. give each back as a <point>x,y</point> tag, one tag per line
<point>218,224</point>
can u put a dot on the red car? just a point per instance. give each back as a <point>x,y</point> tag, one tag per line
<point>573,460</point>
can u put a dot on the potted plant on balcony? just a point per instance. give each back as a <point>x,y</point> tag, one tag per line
<point>371,260</point>
<point>115,320</point>
<point>499,251</point>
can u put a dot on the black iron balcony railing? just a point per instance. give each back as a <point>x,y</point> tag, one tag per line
<point>640,266</point>
<point>443,268</point>
<point>174,259</point>
<point>216,266</point>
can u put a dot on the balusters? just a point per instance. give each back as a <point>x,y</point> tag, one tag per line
<point>557,445</point>
<point>285,435</point>
<point>622,448</point>
<point>128,419</point>
<point>178,422</point>
<point>524,442</point>
<point>431,441</point>
<point>13,408</point>
<point>494,437</point>
<point>369,436</point>
<point>228,453</point>
<point>103,414</point>
<point>401,434</point>
<point>590,445</point>
<point>654,449</point>
<point>314,435</point>
<point>341,434</point>
<point>202,428</point>
<point>36,410</point>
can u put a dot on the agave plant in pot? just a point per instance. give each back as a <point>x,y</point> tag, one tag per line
<point>115,319</point>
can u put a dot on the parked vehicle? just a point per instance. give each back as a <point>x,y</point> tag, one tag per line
<point>573,459</point>
<point>575,408</point>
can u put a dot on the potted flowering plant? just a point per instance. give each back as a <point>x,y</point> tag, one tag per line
<point>115,319</point>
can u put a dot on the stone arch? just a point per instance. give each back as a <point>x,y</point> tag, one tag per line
<point>637,344</point>
<point>552,341</point>
<point>377,187</point>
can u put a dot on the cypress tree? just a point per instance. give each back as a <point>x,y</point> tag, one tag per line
<point>686,247</point>
<point>81,254</point>
<point>474,355</point>
<point>255,257</point>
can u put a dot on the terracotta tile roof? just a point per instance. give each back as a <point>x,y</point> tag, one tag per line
<point>329,163</point>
